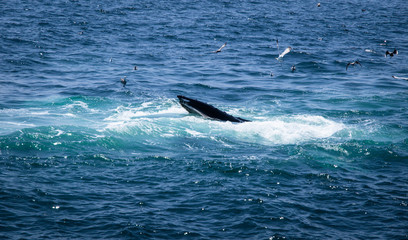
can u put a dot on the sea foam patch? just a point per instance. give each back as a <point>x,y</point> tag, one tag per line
<point>283,130</point>
<point>147,117</point>
<point>171,120</point>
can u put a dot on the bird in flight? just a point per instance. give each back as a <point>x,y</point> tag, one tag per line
<point>403,78</point>
<point>287,50</point>
<point>219,50</point>
<point>353,64</point>
<point>395,52</point>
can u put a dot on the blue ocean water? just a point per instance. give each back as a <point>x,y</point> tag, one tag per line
<point>325,155</point>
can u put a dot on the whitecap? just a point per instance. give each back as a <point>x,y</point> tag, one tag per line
<point>79,105</point>
<point>282,130</point>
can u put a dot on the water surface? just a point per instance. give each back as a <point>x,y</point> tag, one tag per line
<point>324,156</point>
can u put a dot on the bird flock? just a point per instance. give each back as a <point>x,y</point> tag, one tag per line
<point>280,57</point>
<point>285,52</point>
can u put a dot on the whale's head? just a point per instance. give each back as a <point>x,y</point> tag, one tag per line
<point>186,103</point>
<point>183,99</point>
<point>206,110</point>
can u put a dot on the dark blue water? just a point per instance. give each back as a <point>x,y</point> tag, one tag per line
<point>325,156</point>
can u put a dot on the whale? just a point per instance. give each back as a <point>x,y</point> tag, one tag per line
<point>207,111</point>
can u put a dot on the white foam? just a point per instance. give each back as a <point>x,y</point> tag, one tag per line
<point>127,113</point>
<point>79,105</point>
<point>40,113</point>
<point>171,120</point>
<point>142,117</point>
<point>194,133</point>
<point>284,130</point>
<point>22,124</point>
<point>59,132</point>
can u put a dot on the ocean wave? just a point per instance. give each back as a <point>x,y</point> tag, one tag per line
<point>174,121</point>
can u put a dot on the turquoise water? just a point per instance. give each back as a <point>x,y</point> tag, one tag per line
<point>82,157</point>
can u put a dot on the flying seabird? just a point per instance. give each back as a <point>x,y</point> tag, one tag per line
<point>287,50</point>
<point>353,63</point>
<point>219,50</point>
<point>123,81</point>
<point>395,52</point>
<point>403,78</point>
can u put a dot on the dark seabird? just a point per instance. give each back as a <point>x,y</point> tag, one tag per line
<point>219,50</point>
<point>318,4</point>
<point>403,78</point>
<point>123,81</point>
<point>353,63</point>
<point>135,68</point>
<point>293,68</point>
<point>395,52</point>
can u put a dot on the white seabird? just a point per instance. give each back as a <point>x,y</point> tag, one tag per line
<point>219,50</point>
<point>403,78</point>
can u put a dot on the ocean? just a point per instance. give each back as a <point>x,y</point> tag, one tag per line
<point>325,155</point>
